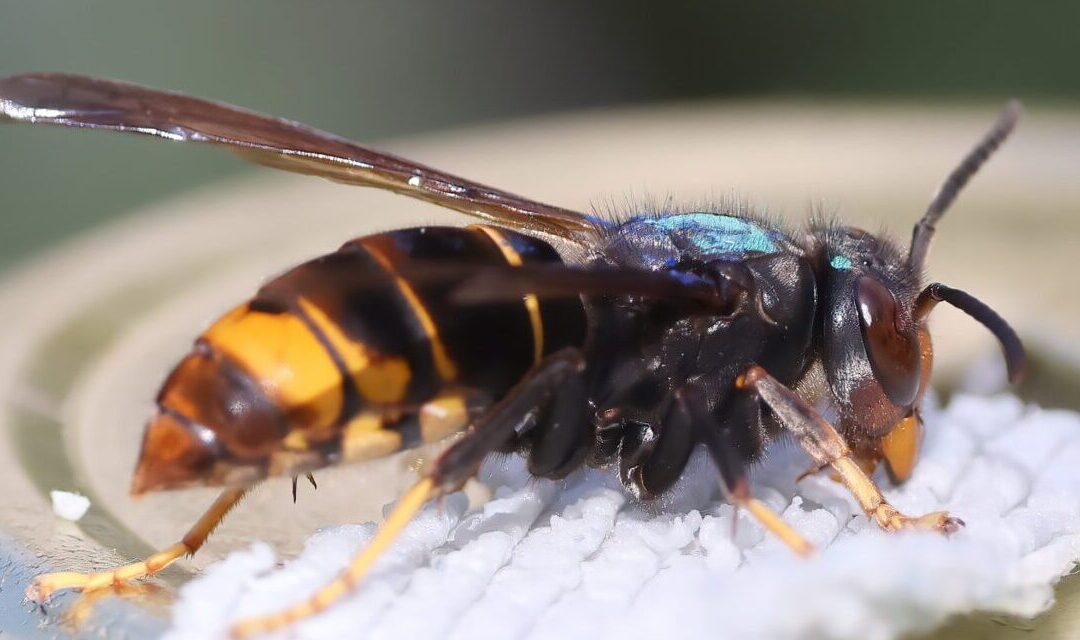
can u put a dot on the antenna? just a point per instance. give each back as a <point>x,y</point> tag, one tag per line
<point>1015,359</point>
<point>924,230</point>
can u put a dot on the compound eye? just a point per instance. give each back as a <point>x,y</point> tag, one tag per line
<point>894,355</point>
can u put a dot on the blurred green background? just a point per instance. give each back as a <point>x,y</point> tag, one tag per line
<point>372,70</point>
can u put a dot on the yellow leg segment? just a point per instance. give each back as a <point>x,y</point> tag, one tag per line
<point>771,521</point>
<point>886,515</point>
<point>825,445</point>
<point>45,585</point>
<point>868,463</point>
<point>411,502</point>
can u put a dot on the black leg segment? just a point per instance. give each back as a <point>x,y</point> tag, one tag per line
<point>693,405</point>
<point>498,424</point>
<point>560,440</point>
<point>654,457</point>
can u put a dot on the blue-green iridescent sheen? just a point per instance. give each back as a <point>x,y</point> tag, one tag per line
<point>714,234</point>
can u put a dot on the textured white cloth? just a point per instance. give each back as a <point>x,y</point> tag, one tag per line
<point>580,559</point>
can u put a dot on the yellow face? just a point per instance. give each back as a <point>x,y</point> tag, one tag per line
<point>900,446</point>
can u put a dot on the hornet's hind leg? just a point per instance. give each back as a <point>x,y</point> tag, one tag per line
<point>827,447</point>
<point>456,465</point>
<point>45,585</point>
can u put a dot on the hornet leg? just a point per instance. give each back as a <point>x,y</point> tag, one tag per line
<point>456,465</point>
<point>827,447</point>
<point>560,438</point>
<point>45,585</point>
<point>690,406</point>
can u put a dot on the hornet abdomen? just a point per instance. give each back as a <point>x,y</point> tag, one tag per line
<point>347,357</point>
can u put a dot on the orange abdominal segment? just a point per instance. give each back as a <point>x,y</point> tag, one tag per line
<point>172,455</point>
<point>379,379</point>
<point>351,356</point>
<point>280,352</point>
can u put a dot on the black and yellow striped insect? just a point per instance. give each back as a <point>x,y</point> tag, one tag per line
<point>574,339</point>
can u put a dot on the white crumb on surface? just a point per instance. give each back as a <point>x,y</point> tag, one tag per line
<point>580,559</point>
<point>68,505</point>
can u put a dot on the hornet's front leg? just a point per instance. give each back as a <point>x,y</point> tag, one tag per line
<point>827,447</point>
<point>450,471</point>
